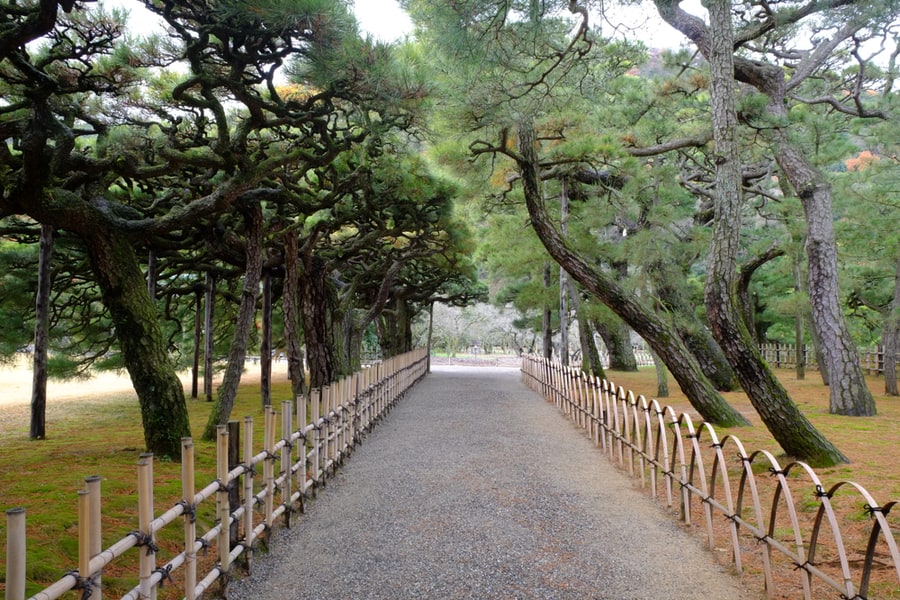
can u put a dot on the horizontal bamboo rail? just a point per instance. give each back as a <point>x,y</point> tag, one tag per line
<point>310,450</point>
<point>781,517</point>
<point>785,356</point>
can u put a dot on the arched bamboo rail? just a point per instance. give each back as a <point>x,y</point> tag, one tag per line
<point>640,436</point>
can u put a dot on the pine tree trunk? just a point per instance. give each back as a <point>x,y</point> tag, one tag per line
<point>788,426</point>
<point>617,338</point>
<point>590,361</point>
<point>289,301</point>
<point>265,346</point>
<point>209,336</point>
<point>662,376</point>
<point>563,277</point>
<point>38,429</point>
<point>658,333</point>
<point>891,338</point>
<point>159,391</point>
<point>237,353</point>
<point>198,337</point>
<point>849,394</point>
<point>799,337</point>
<point>547,321</point>
<point>315,304</point>
<point>696,336</point>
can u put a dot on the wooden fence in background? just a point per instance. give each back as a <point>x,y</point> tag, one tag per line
<point>247,504</point>
<point>782,520</point>
<point>785,356</point>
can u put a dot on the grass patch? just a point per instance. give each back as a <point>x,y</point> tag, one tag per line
<point>100,435</point>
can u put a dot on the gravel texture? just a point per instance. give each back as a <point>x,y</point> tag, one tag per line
<point>475,487</point>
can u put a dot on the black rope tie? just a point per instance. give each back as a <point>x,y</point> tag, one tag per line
<point>775,472</point>
<point>86,584</point>
<point>189,510</point>
<point>144,539</point>
<point>805,565</point>
<point>871,510</point>
<point>204,545</point>
<point>165,574</point>
<point>821,493</point>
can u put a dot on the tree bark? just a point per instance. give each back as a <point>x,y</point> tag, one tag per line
<point>315,304</point>
<point>198,336</point>
<point>209,336</point>
<point>590,356</point>
<point>546,321</point>
<point>563,277</point>
<point>617,338</point>
<point>849,394</point>
<point>38,430</point>
<point>265,345</point>
<point>291,313</point>
<point>695,334</point>
<point>124,288</point>
<point>662,377</point>
<point>891,338</point>
<point>658,333</point>
<point>799,337</point>
<point>237,353</point>
<point>788,426</point>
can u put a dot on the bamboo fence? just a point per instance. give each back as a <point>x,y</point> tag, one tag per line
<point>786,356</point>
<point>327,427</point>
<point>780,520</point>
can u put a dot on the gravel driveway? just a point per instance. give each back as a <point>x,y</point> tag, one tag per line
<point>475,487</point>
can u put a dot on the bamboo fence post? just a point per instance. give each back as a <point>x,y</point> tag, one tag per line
<point>287,421</point>
<point>145,516</point>
<point>249,531</point>
<point>315,398</point>
<point>92,484</point>
<point>346,416</point>
<point>234,491</point>
<point>223,542</point>
<point>269,465</point>
<point>326,438</point>
<point>303,456</point>
<point>332,416</point>
<point>15,554</point>
<point>84,542</point>
<point>190,518</point>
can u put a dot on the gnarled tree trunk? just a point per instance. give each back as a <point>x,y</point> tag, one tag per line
<point>789,427</point>
<point>124,288</point>
<point>658,333</point>
<point>316,303</point>
<point>237,354</point>
<point>290,310</point>
<point>38,429</point>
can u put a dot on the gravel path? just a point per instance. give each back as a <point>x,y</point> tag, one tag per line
<point>474,487</point>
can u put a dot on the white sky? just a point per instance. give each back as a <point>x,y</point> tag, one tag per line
<point>386,21</point>
<point>383,19</point>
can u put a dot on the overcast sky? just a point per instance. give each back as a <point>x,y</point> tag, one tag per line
<point>383,19</point>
